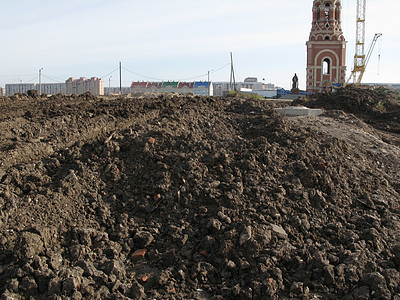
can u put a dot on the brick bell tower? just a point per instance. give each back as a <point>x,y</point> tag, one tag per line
<point>326,47</point>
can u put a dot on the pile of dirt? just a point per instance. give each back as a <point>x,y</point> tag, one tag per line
<point>194,198</point>
<point>358,100</point>
<point>378,107</point>
<point>33,94</point>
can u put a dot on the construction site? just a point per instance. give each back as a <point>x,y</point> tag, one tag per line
<point>195,197</point>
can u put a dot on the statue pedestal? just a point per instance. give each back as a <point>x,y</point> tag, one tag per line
<point>295,91</point>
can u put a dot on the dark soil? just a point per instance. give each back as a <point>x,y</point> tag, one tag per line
<point>378,107</point>
<point>176,197</point>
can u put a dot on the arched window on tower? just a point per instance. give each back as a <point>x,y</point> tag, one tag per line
<point>326,66</point>
<point>337,13</point>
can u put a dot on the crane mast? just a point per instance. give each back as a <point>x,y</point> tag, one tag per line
<point>360,60</point>
<point>359,56</point>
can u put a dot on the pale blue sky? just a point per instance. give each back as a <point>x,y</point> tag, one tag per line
<point>178,39</point>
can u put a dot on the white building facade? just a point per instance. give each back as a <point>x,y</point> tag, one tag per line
<point>52,88</point>
<point>201,88</point>
<point>23,88</point>
<point>19,88</point>
<point>249,84</point>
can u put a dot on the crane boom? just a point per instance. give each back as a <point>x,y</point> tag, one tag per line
<point>358,72</point>
<point>371,48</point>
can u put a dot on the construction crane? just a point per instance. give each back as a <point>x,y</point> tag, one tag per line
<point>360,59</point>
<point>371,48</point>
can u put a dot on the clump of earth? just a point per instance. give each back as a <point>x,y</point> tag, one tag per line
<point>188,197</point>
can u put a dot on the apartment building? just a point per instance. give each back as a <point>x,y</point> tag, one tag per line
<point>19,88</point>
<point>52,88</point>
<point>79,86</point>
<point>203,88</point>
<point>249,84</point>
<point>116,90</point>
<point>47,88</point>
<point>83,85</point>
<point>2,91</point>
<point>171,87</point>
<point>145,87</point>
<point>180,87</point>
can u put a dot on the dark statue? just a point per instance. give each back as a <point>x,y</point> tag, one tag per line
<point>295,81</point>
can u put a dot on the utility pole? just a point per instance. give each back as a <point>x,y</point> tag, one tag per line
<point>232,83</point>
<point>120,78</point>
<point>40,81</point>
<point>208,80</point>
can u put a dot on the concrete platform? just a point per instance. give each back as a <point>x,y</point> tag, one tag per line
<point>294,111</point>
<point>290,97</point>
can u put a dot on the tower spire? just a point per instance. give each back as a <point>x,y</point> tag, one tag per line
<point>326,47</point>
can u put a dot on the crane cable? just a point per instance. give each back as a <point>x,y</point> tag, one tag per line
<point>379,55</point>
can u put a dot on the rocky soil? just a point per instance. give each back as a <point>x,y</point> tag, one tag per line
<point>187,197</point>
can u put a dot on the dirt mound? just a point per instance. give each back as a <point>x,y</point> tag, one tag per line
<point>33,94</point>
<point>355,100</point>
<point>195,198</point>
<point>378,107</point>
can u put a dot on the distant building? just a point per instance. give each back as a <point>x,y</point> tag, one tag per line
<point>83,85</point>
<point>2,91</point>
<point>266,93</point>
<point>170,87</point>
<point>140,87</point>
<point>186,87</point>
<point>53,88</point>
<point>145,87</point>
<point>250,84</point>
<point>393,86</point>
<point>154,87</point>
<point>251,79</point>
<point>221,88</point>
<point>180,87</point>
<point>23,88</point>
<point>79,86</point>
<point>203,88</point>
<point>16,88</point>
<point>116,90</point>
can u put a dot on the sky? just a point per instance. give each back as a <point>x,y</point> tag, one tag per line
<point>180,40</point>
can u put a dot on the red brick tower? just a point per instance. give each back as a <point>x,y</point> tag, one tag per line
<point>326,48</point>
